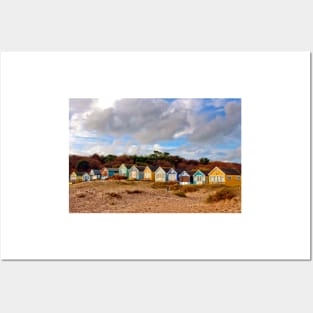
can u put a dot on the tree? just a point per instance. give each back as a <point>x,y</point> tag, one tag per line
<point>96,157</point>
<point>82,166</point>
<point>108,158</point>
<point>204,160</point>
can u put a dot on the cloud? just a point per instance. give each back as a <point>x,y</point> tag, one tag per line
<point>194,126</point>
<point>233,155</point>
<point>133,149</point>
<point>147,120</point>
<point>81,105</point>
<point>218,129</point>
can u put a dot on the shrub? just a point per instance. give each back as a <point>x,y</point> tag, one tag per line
<point>189,188</point>
<point>222,194</point>
<point>180,194</point>
<point>116,177</point>
<point>114,195</point>
<point>134,191</point>
<point>170,184</point>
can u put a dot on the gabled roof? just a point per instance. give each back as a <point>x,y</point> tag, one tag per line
<point>194,172</point>
<point>171,171</point>
<point>161,168</point>
<point>95,170</point>
<point>230,171</point>
<point>152,168</point>
<point>128,166</point>
<point>227,171</point>
<point>184,171</point>
<point>141,168</point>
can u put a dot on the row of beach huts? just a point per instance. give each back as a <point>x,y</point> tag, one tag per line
<point>162,174</point>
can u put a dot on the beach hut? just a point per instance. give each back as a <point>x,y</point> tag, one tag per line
<point>85,177</point>
<point>123,170</point>
<point>225,176</point>
<point>94,174</point>
<point>133,173</point>
<point>172,175</point>
<point>160,175</point>
<point>199,178</point>
<point>113,171</point>
<point>76,177</point>
<point>104,173</point>
<point>73,177</point>
<point>184,178</point>
<point>148,173</point>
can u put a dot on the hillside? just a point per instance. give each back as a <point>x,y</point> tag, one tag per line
<point>83,163</point>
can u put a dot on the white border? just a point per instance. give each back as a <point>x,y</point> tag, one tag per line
<point>275,93</point>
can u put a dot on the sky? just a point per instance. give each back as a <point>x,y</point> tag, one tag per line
<point>190,128</point>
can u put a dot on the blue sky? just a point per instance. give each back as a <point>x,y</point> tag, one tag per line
<point>191,128</point>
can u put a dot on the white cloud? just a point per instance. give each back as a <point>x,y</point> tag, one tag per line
<point>157,147</point>
<point>149,122</point>
<point>133,149</point>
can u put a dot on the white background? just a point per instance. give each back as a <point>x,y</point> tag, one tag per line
<point>275,93</point>
<point>151,286</point>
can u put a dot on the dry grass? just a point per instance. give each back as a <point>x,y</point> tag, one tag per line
<point>134,191</point>
<point>114,195</point>
<point>226,193</point>
<point>123,196</point>
<point>190,188</point>
<point>180,194</point>
<point>158,185</point>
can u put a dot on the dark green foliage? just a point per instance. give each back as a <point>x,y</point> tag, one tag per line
<point>82,166</point>
<point>204,161</point>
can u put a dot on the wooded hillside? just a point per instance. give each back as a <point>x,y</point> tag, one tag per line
<point>83,163</point>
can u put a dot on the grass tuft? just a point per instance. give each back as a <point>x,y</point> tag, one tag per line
<point>190,188</point>
<point>223,194</point>
<point>180,194</point>
<point>114,195</point>
<point>134,191</point>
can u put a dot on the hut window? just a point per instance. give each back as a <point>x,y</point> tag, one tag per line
<point>229,177</point>
<point>148,175</point>
<point>238,177</point>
